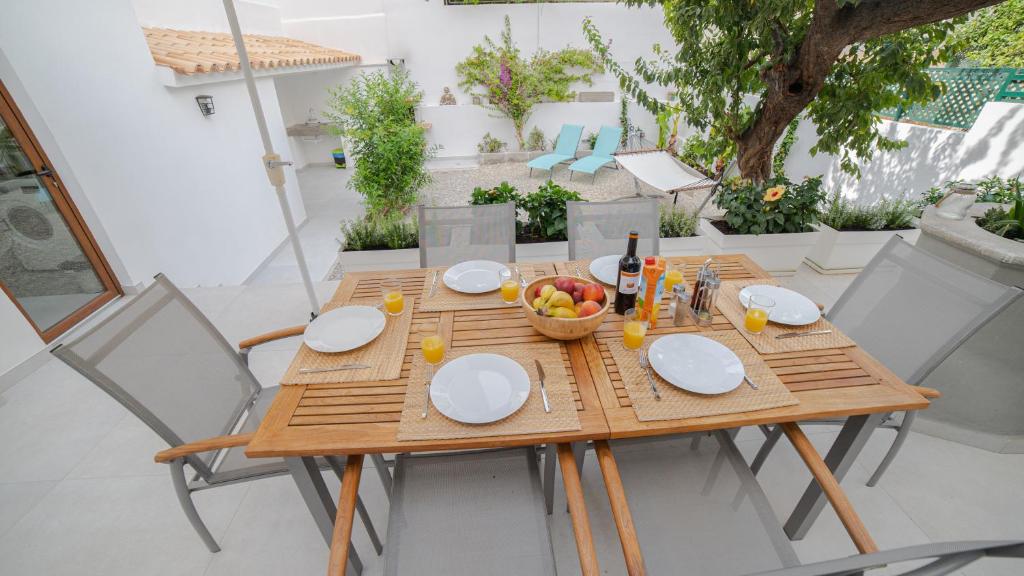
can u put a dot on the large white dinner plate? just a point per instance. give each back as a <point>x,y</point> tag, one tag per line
<point>479,388</point>
<point>606,268</point>
<point>344,328</point>
<point>473,276</point>
<point>791,308</point>
<point>696,364</point>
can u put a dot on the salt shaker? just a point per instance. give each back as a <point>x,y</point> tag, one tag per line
<point>705,300</point>
<point>679,305</point>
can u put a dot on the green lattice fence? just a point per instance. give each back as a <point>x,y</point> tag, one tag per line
<point>966,91</point>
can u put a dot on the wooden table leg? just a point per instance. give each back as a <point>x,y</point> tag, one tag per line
<point>830,486</point>
<point>620,509</point>
<point>342,538</point>
<point>578,511</point>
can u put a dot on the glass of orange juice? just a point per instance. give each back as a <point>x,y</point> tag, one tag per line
<point>508,280</point>
<point>394,302</point>
<point>432,344</point>
<point>633,330</point>
<point>673,277</point>
<point>758,310</point>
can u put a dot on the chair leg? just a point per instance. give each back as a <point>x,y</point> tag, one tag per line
<point>531,172</point>
<point>570,174</point>
<point>901,437</point>
<point>185,499</point>
<point>549,477</point>
<point>766,449</point>
<point>382,471</point>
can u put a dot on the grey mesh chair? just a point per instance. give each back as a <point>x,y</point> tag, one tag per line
<point>947,557</point>
<point>600,228</point>
<point>468,513</point>
<point>454,234</point>
<point>910,310</point>
<point>167,364</point>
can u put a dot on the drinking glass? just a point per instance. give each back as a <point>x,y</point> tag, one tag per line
<point>508,280</point>
<point>633,330</point>
<point>758,310</point>
<point>394,302</point>
<point>673,277</point>
<point>432,344</point>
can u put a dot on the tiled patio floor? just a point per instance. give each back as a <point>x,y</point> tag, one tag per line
<point>80,494</point>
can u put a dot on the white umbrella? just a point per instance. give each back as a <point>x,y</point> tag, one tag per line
<point>271,160</point>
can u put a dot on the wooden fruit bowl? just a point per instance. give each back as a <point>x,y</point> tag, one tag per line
<point>561,328</point>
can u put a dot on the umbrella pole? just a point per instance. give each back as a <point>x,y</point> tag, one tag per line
<point>271,161</point>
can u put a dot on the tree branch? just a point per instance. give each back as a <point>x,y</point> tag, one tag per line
<point>873,18</point>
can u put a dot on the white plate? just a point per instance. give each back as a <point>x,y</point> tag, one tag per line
<point>479,388</point>
<point>606,268</point>
<point>344,328</point>
<point>696,364</point>
<point>791,308</point>
<point>473,276</point>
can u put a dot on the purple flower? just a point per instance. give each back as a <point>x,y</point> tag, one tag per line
<point>505,78</point>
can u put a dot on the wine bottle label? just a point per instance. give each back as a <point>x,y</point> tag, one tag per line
<point>629,282</point>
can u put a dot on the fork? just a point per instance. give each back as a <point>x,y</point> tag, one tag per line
<point>646,365</point>
<point>426,393</point>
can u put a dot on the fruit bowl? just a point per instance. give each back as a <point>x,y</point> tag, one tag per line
<point>561,328</point>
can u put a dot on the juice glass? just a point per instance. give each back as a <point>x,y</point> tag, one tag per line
<point>394,302</point>
<point>758,309</point>
<point>673,276</point>
<point>508,280</point>
<point>432,344</point>
<point>633,330</point>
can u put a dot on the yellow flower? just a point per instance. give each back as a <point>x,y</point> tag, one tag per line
<point>774,193</point>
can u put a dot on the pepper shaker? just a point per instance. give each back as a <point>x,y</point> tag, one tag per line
<point>679,305</point>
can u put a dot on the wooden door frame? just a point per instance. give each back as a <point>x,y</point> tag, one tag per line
<point>13,118</point>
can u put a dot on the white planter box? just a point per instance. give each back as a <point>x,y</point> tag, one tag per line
<point>365,260</point>
<point>848,252</point>
<point>501,157</point>
<point>779,254</point>
<point>688,246</point>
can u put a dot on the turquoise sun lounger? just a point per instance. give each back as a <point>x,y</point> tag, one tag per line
<point>565,149</point>
<point>606,144</point>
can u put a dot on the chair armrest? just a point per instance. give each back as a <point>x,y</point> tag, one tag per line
<point>215,443</point>
<point>271,336</point>
<point>929,393</point>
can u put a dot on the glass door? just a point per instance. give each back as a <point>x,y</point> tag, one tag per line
<point>50,266</point>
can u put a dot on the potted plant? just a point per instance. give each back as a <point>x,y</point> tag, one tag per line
<point>772,221</point>
<point>541,235</point>
<point>380,242</point>
<point>679,233</point>
<point>852,234</point>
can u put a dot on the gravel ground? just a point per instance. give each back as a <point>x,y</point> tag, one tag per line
<point>454,187</point>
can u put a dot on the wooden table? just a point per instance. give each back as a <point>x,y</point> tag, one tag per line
<point>362,418</point>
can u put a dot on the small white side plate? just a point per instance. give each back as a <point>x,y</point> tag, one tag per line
<point>345,328</point>
<point>473,276</point>
<point>479,388</point>
<point>696,364</point>
<point>791,308</point>
<point>606,268</point>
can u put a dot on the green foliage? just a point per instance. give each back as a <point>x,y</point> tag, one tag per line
<point>591,140</point>
<point>624,121</point>
<point>785,145</point>
<point>536,142</point>
<point>490,145</point>
<point>749,209</point>
<point>545,211</point>
<point>886,214</point>
<point>380,233</point>
<point>374,112</point>
<point>1007,223</point>
<point>500,194</point>
<point>991,189</point>
<point>727,50</point>
<point>676,222</point>
<point>511,84</point>
<point>994,37</point>
<point>706,154</point>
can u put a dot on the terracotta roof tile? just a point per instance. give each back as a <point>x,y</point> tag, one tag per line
<point>193,52</point>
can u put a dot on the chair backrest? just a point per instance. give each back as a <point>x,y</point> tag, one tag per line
<point>568,139</point>
<point>167,364</point>
<point>607,141</point>
<point>601,228</point>
<point>911,309</point>
<point>453,234</point>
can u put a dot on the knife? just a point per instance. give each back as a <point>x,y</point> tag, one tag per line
<point>333,368</point>
<point>808,333</point>
<point>433,285</point>
<point>543,391</point>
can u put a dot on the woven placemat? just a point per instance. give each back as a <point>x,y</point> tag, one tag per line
<point>676,403</point>
<point>384,355</point>
<point>730,306</point>
<point>445,299</point>
<point>530,419</point>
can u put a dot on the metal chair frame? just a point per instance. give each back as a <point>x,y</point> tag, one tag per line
<point>574,219</point>
<point>509,209</point>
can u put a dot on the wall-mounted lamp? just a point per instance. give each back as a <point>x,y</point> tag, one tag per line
<point>205,104</point>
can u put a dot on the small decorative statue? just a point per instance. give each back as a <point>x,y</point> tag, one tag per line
<point>447,99</point>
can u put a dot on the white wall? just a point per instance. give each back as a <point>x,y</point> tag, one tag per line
<point>173,191</point>
<point>932,156</point>
<point>208,15</point>
<point>18,341</point>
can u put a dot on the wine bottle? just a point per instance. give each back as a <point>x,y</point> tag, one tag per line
<point>628,282</point>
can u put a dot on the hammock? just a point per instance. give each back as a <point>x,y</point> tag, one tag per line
<point>662,171</point>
